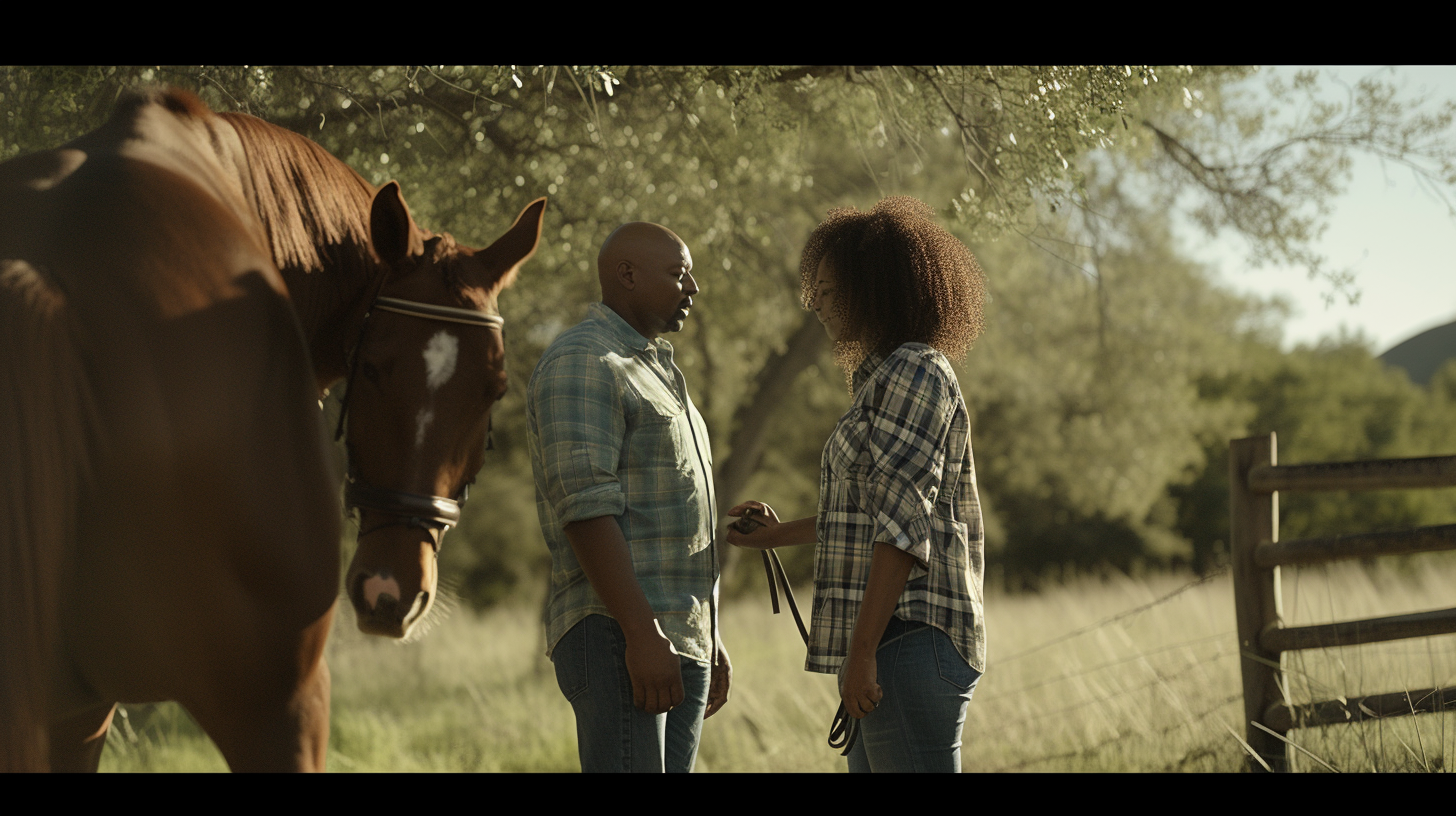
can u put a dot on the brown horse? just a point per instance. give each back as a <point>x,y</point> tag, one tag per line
<point>177,288</point>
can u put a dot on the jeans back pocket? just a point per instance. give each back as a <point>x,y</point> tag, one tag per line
<point>569,658</point>
<point>953,668</point>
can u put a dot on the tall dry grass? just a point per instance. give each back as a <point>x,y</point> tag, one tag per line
<point>1095,675</point>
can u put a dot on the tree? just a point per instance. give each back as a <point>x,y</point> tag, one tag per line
<point>1332,402</point>
<point>742,162</point>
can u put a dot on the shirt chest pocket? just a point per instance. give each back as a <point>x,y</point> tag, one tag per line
<point>659,404</point>
<point>656,430</point>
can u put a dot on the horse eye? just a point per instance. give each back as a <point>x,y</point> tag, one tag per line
<point>369,371</point>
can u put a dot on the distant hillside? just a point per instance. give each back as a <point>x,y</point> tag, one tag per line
<point>1423,354</point>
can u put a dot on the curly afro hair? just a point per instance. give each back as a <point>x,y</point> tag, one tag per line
<point>900,278</point>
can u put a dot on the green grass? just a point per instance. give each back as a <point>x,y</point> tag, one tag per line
<point>1094,675</point>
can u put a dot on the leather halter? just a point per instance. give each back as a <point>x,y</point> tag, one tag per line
<point>430,311</point>
<point>435,514</point>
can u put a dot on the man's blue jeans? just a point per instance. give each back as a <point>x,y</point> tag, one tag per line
<point>917,726</point>
<point>612,734</point>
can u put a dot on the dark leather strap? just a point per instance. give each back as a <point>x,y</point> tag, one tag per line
<point>845,729</point>
<point>432,510</point>
<point>431,311</point>
<point>434,513</point>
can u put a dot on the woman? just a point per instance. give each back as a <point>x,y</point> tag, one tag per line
<point>897,607</point>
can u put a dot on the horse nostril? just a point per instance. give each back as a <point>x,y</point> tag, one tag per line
<point>385,605</point>
<point>422,599</point>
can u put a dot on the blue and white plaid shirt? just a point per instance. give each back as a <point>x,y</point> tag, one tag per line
<point>613,432</point>
<point>898,469</point>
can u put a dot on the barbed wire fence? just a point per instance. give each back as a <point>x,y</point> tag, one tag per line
<point>1160,678</point>
<point>1137,610</point>
<point>1226,640</point>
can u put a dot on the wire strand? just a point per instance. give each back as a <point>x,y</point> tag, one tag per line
<point>1115,618</point>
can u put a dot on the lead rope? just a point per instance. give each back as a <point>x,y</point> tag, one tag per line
<point>845,729</point>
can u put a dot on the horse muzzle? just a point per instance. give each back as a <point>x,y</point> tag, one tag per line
<point>386,616</point>
<point>391,581</point>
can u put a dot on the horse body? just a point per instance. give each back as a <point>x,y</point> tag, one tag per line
<point>169,516</point>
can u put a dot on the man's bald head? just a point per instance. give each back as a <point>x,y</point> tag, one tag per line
<point>632,242</point>
<point>645,271</point>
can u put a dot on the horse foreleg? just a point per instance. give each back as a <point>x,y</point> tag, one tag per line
<point>77,740</point>
<point>291,735</point>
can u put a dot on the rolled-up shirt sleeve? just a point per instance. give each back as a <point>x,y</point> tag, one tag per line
<point>581,425</point>
<point>898,481</point>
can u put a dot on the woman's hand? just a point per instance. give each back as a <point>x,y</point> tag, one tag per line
<point>763,535</point>
<point>860,690</point>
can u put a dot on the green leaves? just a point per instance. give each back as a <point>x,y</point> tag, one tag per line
<point>1111,365</point>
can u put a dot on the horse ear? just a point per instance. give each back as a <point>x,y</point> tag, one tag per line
<point>504,257</point>
<point>391,230</point>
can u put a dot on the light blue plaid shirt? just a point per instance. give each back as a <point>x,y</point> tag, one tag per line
<point>613,432</point>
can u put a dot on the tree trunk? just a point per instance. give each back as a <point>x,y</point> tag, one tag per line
<point>751,421</point>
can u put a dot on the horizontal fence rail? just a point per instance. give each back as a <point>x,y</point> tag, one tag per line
<point>1255,479</point>
<point>1382,474</point>
<point>1352,633</point>
<point>1357,709</point>
<point>1360,545</point>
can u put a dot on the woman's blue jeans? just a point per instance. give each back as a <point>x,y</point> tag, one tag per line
<point>917,726</point>
<point>612,734</point>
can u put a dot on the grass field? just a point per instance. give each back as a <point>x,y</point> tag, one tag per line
<point>1094,675</point>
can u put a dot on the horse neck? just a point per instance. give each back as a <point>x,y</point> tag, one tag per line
<point>314,210</point>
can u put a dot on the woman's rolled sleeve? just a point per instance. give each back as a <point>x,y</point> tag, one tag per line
<point>906,424</point>
<point>581,426</point>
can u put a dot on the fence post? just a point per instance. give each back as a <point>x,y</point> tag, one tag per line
<point>1254,519</point>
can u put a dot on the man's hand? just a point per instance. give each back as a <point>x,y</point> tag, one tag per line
<point>656,672</point>
<point>720,678</point>
<point>652,662</point>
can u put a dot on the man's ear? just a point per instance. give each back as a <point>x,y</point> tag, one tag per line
<point>626,275</point>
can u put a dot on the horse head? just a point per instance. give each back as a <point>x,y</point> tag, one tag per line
<point>428,366</point>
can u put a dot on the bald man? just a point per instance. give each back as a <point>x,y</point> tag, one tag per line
<point>624,492</point>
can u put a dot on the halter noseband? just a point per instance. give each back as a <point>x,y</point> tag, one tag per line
<point>435,514</point>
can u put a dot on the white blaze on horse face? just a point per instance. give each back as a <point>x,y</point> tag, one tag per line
<point>422,421</point>
<point>440,355</point>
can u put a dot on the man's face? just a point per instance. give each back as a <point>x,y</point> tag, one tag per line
<point>664,285</point>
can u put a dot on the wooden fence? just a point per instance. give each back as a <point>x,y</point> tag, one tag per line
<point>1255,479</point>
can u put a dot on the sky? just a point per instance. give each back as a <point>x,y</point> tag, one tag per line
<point>1396,237</point>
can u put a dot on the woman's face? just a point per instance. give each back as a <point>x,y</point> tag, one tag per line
<point>823,304</point>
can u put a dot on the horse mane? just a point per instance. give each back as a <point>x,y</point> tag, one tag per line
<point>305,198</point>
<point>46,419</point>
